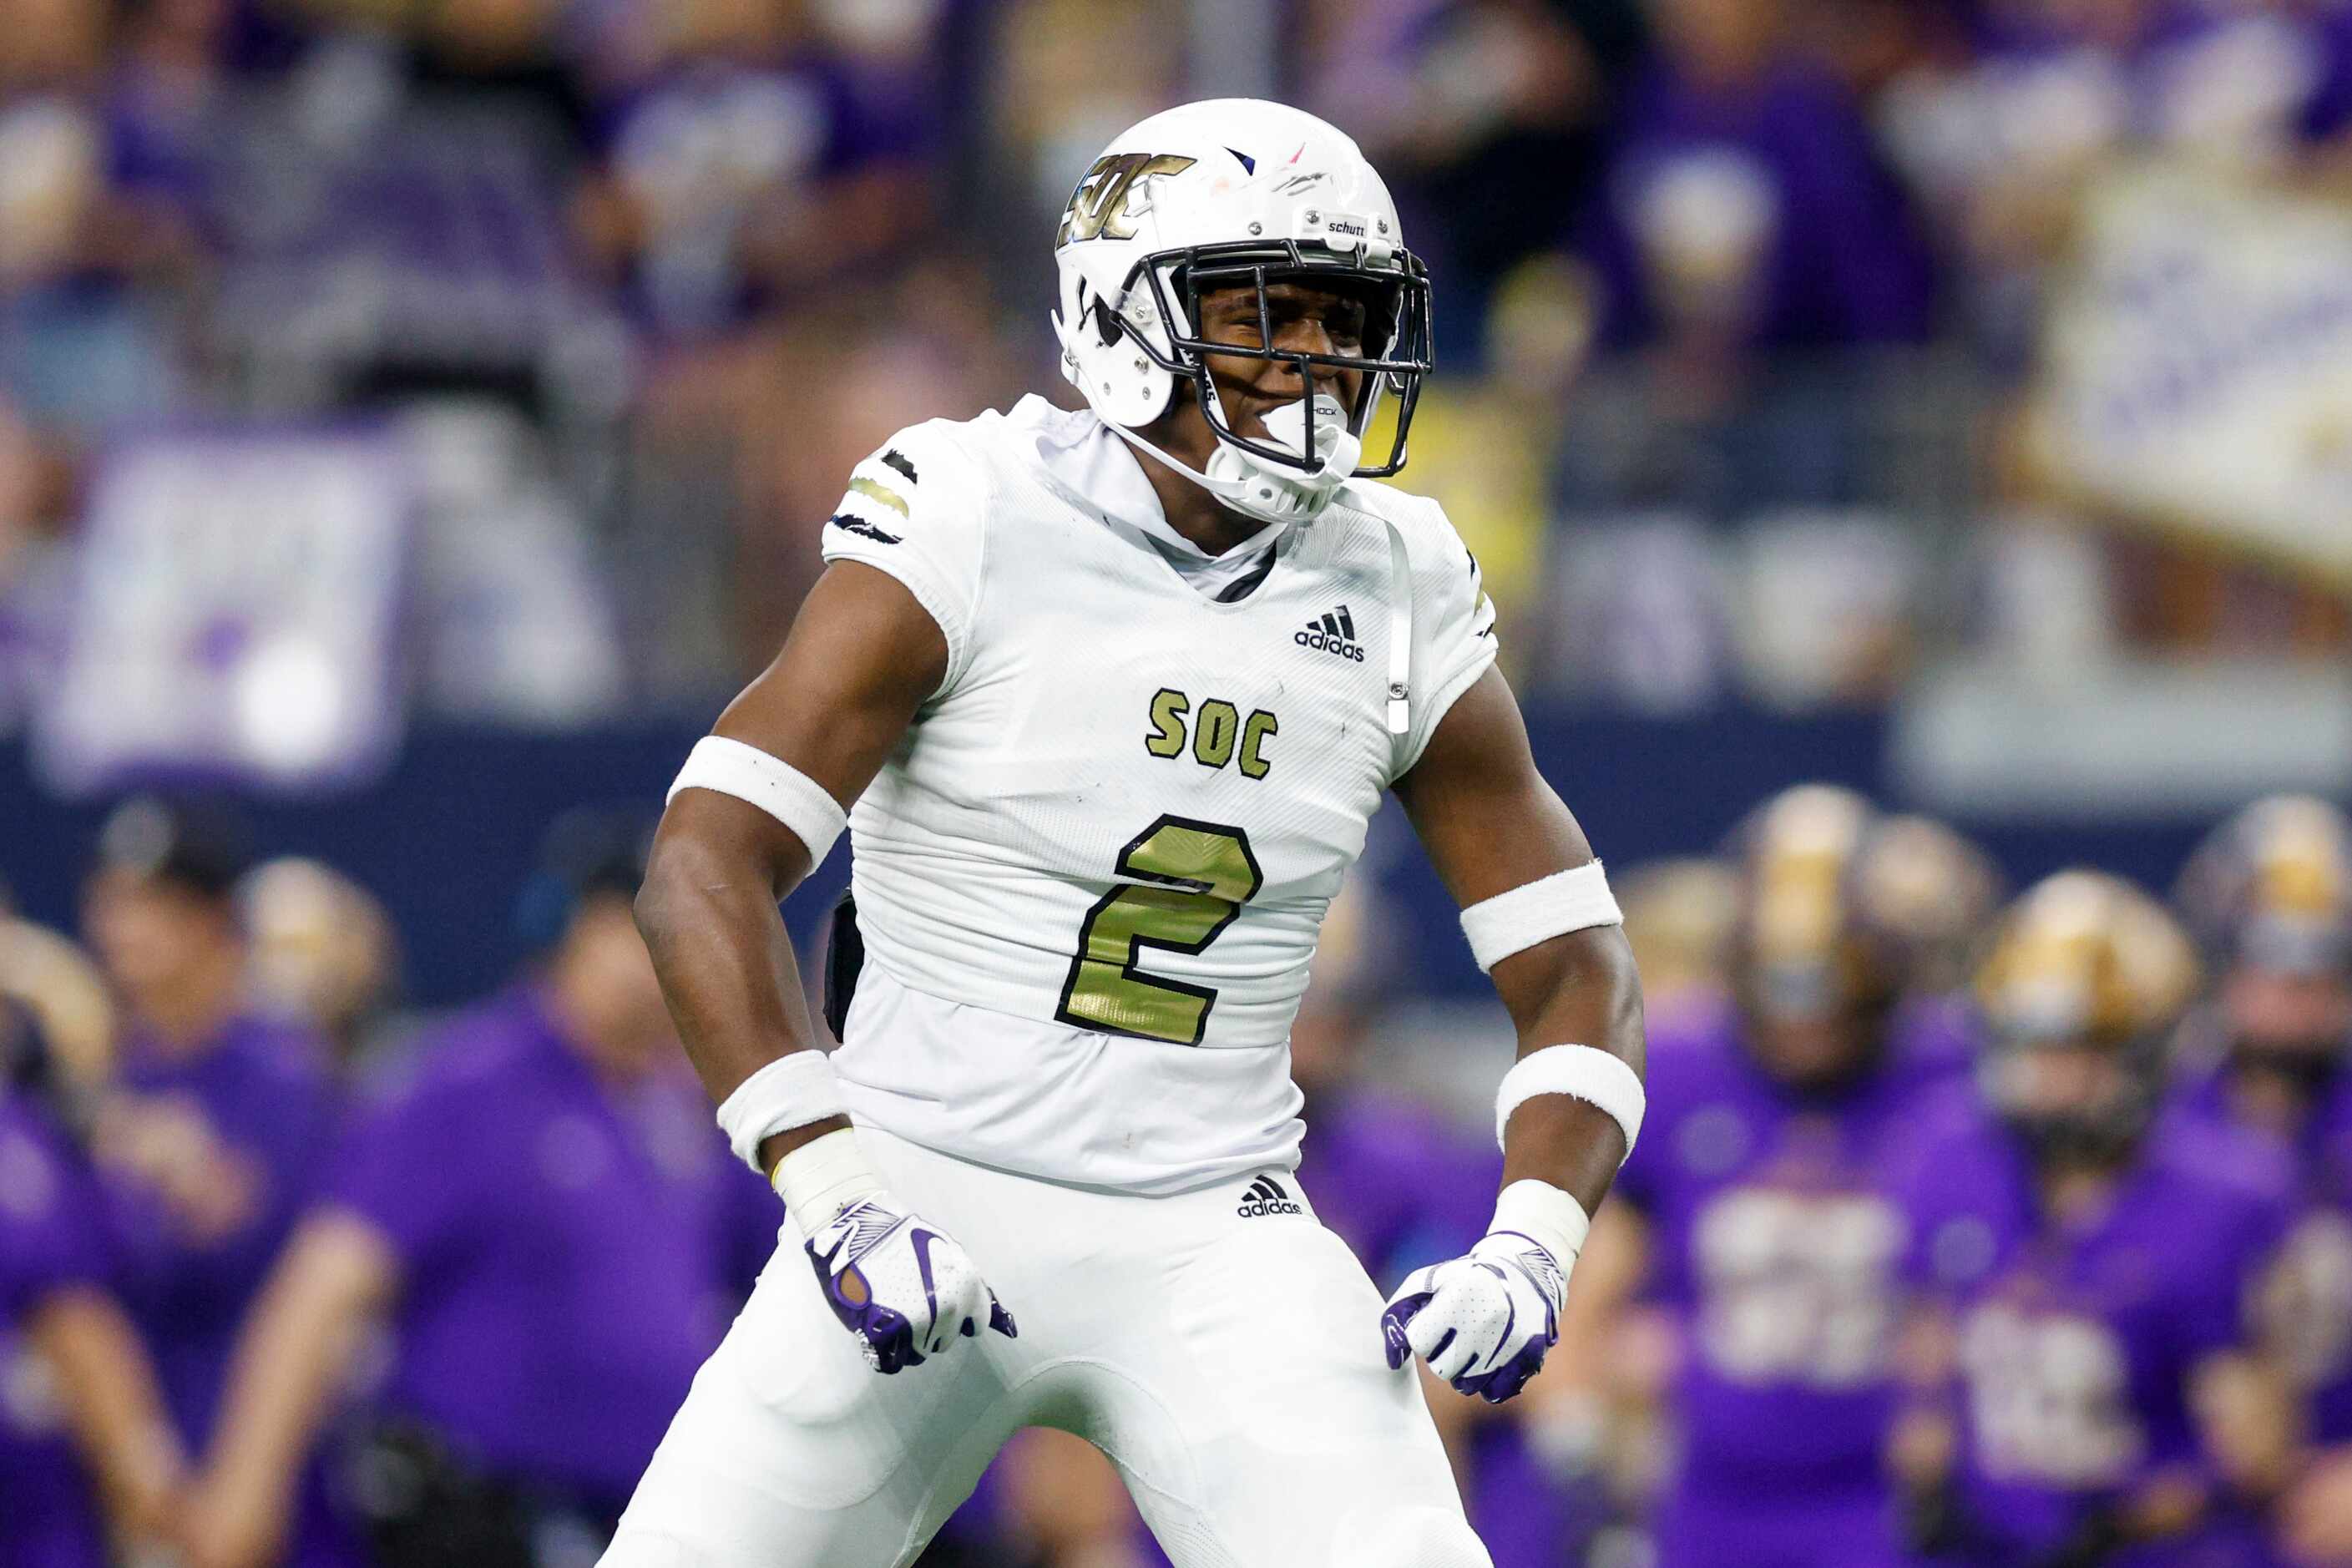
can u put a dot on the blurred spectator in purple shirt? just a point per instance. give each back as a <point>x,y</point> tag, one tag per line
<point>1485,116</point>
<point>82,1423</point>
<point>1744,205</point>
<point>214,1134</point>
<point>557,1236</point>
<point>751,160</point>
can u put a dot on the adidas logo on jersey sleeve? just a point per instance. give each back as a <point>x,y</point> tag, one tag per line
<point>1266,1197</point>
<point>1333,632</point>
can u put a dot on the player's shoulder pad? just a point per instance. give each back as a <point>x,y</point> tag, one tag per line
<point>930,476</point>
<point>1445,574</point>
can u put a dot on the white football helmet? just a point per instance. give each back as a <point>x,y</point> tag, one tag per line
<point>1228,191</point>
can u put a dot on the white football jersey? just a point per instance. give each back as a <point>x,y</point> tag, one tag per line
<point>1091,878</point>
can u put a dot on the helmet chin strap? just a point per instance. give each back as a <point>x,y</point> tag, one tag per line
<point>1270,493</point>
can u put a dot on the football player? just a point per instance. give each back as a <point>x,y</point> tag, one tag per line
<point>1935,894</point>
<point>1764,1221</point>
<point>2270,897</point>
<point>2107,1404</point>
<point>1113,694</point>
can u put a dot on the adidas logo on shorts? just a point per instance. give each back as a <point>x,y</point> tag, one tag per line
<point>1265,1196</point>
<point>1335,632</point>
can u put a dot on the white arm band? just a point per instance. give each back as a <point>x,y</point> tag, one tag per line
<point>1538,912</point>
<point>793,1090</point>
<point>1580,1072</point>
<point>773,784</point>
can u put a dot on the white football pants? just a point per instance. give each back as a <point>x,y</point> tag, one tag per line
<point>1228,1359</point>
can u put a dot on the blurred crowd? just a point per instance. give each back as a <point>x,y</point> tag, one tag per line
<point>1968,1225</point>
<point>1737,302</point>
<point>499,360</point>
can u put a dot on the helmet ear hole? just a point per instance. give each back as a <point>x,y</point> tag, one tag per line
<point>1106,320</point>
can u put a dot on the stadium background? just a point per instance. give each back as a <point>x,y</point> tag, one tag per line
<point>416,419</point>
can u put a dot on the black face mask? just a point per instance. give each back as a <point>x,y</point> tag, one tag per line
<point>2308,1071</point>
<point>2077,1139</point>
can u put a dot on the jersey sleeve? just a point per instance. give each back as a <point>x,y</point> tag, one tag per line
<point>1453,627</point>
<point>48,1220</point>
<point>918,509</point>
<point>409,1164</point>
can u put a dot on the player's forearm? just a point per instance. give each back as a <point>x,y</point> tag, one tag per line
<point>710,918</point>
<point>1577,989</point>
<point>295,1351</point>
<point>111,1403</point>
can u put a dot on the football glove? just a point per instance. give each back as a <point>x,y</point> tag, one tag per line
<point>1484,1322</point>
<point>906,1291</point>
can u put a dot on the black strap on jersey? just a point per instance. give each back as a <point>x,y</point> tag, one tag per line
<point>844,955</point>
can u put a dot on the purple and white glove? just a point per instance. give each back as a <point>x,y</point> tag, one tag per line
<point>904,1289</point>
<point>899,1284</point>
<point>1484,1322</point>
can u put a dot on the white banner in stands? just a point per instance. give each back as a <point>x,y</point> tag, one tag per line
<point>2198,366</point>
<point>236,614</point>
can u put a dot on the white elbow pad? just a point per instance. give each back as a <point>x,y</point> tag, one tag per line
<point>774,786</point>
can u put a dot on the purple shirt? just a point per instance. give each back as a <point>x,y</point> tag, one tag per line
<point>1398,1185</point>
<point>2077,1342</point>
<point>49,1238</point>
<point>1778,1240</point>
<point>1765,201</point>
<point>262,1087</point>
<point>572,1249</point>
<point>2313,1311</point>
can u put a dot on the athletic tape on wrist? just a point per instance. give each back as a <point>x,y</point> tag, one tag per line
<point>1580,1072</point>
<point>1547,1215</point>
<point>823,1177</point>
<point>1537,912</point>
<point>773,784</point>
<point>793,1090</point>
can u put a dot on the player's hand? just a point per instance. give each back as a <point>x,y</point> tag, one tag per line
<point>905,1289</point>
<point>1482,1322</point>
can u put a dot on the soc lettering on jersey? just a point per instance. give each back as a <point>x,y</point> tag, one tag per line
<point>1124,813</point>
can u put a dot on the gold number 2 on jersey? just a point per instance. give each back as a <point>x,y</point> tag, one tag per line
<point>1200,875</point>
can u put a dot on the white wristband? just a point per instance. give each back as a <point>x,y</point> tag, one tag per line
<point>796,1089</point>
<point>1580,1072</point>
<point>773,784</point>
<point>1545,1215</point>
<point>823,1177</point>
<point>1573,900</point>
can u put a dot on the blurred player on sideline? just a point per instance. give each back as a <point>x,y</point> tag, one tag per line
<point>85,1442</point>
<point>535,1201</point>
<point>1763,1215</point>
<point>1934,895</point>
<point>2106,1404</point>
<point>1114,694</point>
<point>2269,896</point>
<point>214,1132</point>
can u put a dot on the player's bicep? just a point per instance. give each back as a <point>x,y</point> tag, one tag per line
<point>1486,816</point>
<point>862,657</point>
